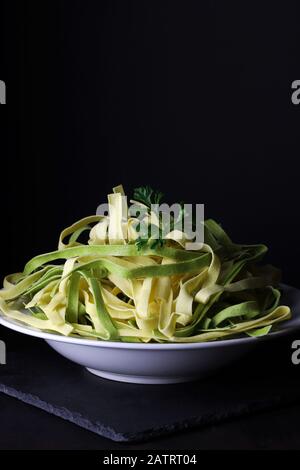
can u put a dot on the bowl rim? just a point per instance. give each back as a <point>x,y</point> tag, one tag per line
<point>287,327</point>
<point>53,337</point>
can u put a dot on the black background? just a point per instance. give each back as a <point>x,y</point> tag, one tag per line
<point>192,99</point>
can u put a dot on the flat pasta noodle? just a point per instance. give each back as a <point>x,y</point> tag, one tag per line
<point>120,287</point>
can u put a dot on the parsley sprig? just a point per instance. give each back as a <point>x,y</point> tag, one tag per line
<point>148,196</point>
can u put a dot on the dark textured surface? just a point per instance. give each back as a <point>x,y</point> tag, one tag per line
<point>126,412</point>
<point>30,428</point>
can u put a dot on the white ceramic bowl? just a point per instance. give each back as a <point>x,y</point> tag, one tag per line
<point>157,363</point>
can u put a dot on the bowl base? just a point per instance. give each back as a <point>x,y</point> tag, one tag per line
<point>140,379</point>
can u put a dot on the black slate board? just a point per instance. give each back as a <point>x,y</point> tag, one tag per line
<point>124,412</point>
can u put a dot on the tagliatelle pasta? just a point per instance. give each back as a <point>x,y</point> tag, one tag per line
<point>119,287</point>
